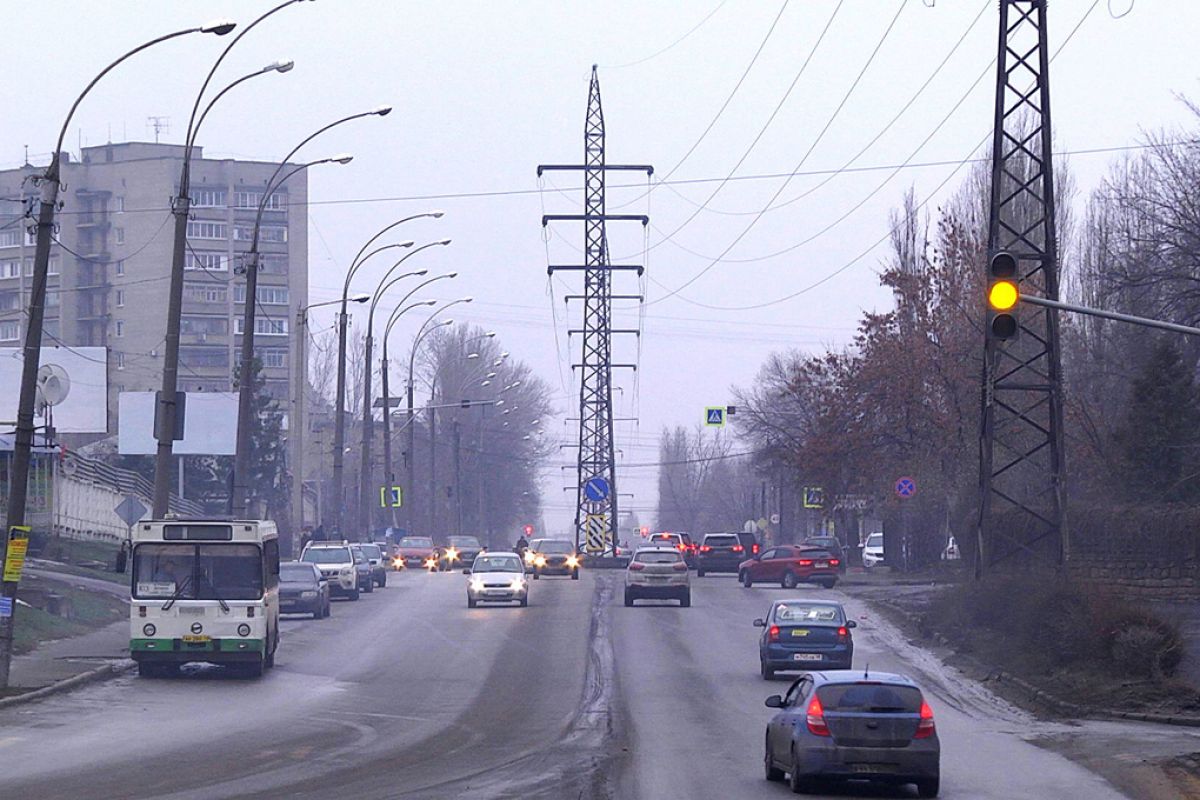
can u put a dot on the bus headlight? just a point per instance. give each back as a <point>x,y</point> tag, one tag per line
<point>243,629</point>
<point>149,630</point>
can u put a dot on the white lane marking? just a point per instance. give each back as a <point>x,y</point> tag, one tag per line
<point>7,740</point>
<point>376,714</point>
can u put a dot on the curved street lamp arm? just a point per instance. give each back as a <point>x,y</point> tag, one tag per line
<point>358,259</point>
<point>358,262</point>
<point>67,122</point>
<point>222,93</point>
<point>188,138</point>
<point>383,287</point>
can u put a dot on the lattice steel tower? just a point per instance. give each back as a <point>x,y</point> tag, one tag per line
<point>1021,511</point>
<point>597,462</point>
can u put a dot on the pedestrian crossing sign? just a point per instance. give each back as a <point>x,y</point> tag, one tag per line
<point>596,541</point>
<point>714,416</point>
<point>391,497</point>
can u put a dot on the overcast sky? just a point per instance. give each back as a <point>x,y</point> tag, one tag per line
<point>484,91</point>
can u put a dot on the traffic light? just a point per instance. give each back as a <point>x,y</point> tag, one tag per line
<point>645,531</point>
<point>1003,296</point>
<point>528,530</point>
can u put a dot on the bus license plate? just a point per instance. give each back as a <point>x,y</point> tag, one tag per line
<point>193,638</point>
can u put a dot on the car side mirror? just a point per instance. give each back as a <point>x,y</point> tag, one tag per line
<point>466,571</point>
<point>851,623</point>
<point>760,623</point>
<point>774,701</point>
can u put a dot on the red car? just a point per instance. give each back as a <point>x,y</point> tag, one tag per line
<point>414,551</point>
<point>790,565</point>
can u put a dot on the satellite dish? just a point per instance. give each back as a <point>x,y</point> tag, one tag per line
<point>53,385</point>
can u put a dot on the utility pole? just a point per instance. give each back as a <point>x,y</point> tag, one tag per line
<point>458,503</point>
<point>1021,470</point>
<point>596,469</point>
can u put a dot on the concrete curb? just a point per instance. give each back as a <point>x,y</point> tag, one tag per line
<point>102,673</point>
<point>1059,705</point>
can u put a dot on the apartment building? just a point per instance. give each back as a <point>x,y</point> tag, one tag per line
<point>110,265</point>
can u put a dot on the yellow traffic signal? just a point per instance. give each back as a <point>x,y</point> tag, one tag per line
<point>1003,295</point>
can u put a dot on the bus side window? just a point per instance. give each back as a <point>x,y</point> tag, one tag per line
<point>271,563</point>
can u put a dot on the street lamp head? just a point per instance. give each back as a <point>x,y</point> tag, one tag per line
<point>219,26</point>
<point>437,214</point>
<point>451,275</point>
<point>445,322</point>
<point>472,356</point>
<point>360,298</point>
<point>443,241</point>
<point>486,383</point>
<point>382,111</point>
<point>342,158</point>
<point>428,303</point>
<point>490,334</point>
<point>280,66</point>
<point>465,299</point>
<point>409,243</point>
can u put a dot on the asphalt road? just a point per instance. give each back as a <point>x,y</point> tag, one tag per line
<point>407,693</point>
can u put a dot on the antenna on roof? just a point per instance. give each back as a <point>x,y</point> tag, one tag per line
<point>159,124</point>
<point>867,671</point>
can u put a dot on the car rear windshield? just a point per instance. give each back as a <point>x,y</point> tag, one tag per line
<point>875,540</point>
<point>722,540</point>
<point>327,555</point>
<point>814,552</point>
<point>416,541</point>
<point>297,573</point>
<point>372,551</point>
<point>657,558</point>
<point>879,698</point>
<point>665,537</point>
<point>556,546</point>
<point>464,541</point>
<point>792,613</point>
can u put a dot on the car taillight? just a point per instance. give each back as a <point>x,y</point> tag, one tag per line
<point>833,562</point>
<point>682,547</point>
<point>636,567</point>
<point>737,548</point>
<point>925,727</point>
<point>773,633</point>
<point>705,548</point>
<point>679,566</point>
<point>815,717</point>
<point>805,562</point>
<point>843,632</point>
<point>754,549</point>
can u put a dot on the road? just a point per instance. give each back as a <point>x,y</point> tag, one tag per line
<point>407,693</point>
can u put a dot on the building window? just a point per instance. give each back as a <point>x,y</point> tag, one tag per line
<point>204,325</point>
<point>207,230</point>
<point>209,262</point>
<point>30,236</point>
<point>121,267</point>
<point>119,360</point>
<point>119,205</point>
<point>53,298</point>
<point>120,235</point>
<point>205,292</point>
<point>204,356</point>
<point>264,326</point>
<point>267,295</point>
<point>272,356</point>
<point>10,268</point>
<point>10,237</point>
<point>273,233</point>
<point>120,298</point>
<point>53,266</point>
<point>272,265</point>
<point>276,202</point>
<point>120,328</point>
<point>208,198</point>
<point>10,331</point>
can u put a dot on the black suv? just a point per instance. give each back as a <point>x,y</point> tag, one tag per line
<point>720,552</point>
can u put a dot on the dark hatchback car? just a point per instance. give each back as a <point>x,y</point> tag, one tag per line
<point>720,552</point>
<point>555,557</point>
<point>458,552</point>
<point>790,565</point>
<point>303,590</point>
<point>831,544</point>
<point>804,635</point>
<point>853,726</point>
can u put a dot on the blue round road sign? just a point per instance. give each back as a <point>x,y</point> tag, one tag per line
<point>596,489</point>
<point>906,487</point>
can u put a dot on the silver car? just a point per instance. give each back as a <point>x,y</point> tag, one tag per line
<point>496,578</point>
<point>659,573</point>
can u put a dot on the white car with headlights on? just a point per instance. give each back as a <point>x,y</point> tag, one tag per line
<point>496,578</point>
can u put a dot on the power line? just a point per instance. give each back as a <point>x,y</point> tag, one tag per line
<point>691,30</point>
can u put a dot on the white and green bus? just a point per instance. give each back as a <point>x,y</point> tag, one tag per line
<point>204,590</point>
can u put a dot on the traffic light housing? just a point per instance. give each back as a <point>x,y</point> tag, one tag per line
<point>528,530</point>
<point>1003,296</point>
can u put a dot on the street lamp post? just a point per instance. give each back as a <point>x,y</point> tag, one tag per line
<point>246,373</point>
<point>49,186</point>
<point>297,423</point>
<point>366,482</point>
<point>339,423</point>
<point>166,407</point>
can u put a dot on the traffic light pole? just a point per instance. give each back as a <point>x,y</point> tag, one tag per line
<point>1145,322</point>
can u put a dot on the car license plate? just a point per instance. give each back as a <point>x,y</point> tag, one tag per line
<point>799,632</point>
<point>193,638</point>
<point>822,563</point>
<point>806,656</point>
<point>871,768</point>
<point>496,591</point>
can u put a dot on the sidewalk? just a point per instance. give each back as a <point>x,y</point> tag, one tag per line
<point>65,658</point>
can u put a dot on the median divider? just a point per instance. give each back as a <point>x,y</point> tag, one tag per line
<point>605,562</point>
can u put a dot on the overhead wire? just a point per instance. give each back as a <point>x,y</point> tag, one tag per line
<point>682,38</point>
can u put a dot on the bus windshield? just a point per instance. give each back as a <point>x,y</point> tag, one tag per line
<point>198,571</point>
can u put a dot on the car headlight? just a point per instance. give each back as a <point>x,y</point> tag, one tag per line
<point>518,584</point>
<point>530,556</point>
<point>308,595</point>
<point>243,629</point>
<point>476,584</point>
<point>149,630</point>
<point>540,561</point>
<point>398,562</point>
<point>572,561</point>
<point>346,572</point>
<point>430,562</point>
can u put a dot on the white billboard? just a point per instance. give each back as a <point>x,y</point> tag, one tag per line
<point>83,407</point>
<point>209,424</point>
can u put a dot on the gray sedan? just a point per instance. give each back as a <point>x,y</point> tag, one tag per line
<point>852,725</point>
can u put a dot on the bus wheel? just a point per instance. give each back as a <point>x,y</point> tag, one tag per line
<point>269,661</point>
<point>254,669</point>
